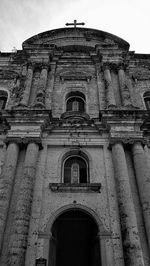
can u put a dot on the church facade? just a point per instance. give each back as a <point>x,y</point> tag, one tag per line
<point>74,151</point>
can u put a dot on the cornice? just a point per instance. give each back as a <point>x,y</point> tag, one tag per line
<point>127,114</point>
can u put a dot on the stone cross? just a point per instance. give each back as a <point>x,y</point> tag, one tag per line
<point>75,24</point>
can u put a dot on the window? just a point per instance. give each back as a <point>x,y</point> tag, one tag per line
<point>75,170</point>
<point>75,101</point>
<point>3,99</point>
<point>147,100</point>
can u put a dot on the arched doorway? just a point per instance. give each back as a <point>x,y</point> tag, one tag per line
<point>74,240</point>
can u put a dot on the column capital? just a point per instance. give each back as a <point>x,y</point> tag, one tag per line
<point>106,66</point>
<point>126,141</point>
<point>121,66</point>
<point>30,65</point>
<point>23,141</point>
<point>45,235</point>
<point>103,235</point>
<point>109,66</point>
<point>45,66</point>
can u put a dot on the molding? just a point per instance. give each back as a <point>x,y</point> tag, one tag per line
<point>75,77</point>
<point>75,206</point>
<point>77,188</point>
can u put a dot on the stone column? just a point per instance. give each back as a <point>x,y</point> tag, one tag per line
<point>40,96</point>
<point>6,185</point>
<point>50,86</point>
<point>131,240</point>
<point>125,94</point>
<point>110,98</point>
<point>20,226</point>
<point>28,83</point>
<point>142,171</point>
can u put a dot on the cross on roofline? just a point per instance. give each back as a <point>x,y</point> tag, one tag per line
<point>75,24</point>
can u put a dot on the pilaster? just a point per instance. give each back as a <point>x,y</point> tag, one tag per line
<point>18,239</point>
<point>125,94</point>
<point>28,84</point>
<point>6,184</point>
<point>142,171</point>
<point>50,86</point>
<point>40,96</point>
<point>110,97</point>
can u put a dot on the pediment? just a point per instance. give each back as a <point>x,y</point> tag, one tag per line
<point>71,36</point>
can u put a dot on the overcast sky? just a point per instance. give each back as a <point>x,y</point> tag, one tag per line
<point>128,19</point>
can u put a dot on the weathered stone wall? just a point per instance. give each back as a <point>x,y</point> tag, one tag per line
<point>38,79</point>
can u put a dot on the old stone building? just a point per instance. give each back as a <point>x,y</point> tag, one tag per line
<point>74,151</point>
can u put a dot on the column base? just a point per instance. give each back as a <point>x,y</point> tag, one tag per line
<point>112,106</point>
<point>21,106</point>
<point>39,105</point>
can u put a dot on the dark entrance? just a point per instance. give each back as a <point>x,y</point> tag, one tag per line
<point>74,241</point>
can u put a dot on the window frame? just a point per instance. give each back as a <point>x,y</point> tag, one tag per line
<point>4,94</point>
<point>77,95</point>
<point>146,96</point>
<point>87,169</point>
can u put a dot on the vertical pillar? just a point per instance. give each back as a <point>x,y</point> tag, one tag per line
<point>18,239</point>
<point>52,251</point>
<point>40,96</point>
<point>32,250</point>
<point>50,86</point>
<point>131,240</point>
<point>125,94</point>
<point>110,98</point>
<point>143,180</point>
<point>6,185</point>
<point>115,228</point>
<point>101,88</point>
<point>103,250</point>
<point>28,83</point>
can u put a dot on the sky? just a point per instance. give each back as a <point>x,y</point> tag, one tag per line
<point>128,19</point>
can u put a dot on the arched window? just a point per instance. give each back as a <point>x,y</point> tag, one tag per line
<point>147,99</point>
<point>75,170</point>
<point>75,101</point>
<point>3,99</point>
